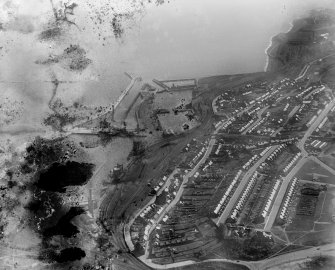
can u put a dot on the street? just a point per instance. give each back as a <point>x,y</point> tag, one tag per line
<point>225,214</point>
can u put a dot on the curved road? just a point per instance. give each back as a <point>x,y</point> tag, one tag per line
<point>307,66</point>
<point>265,264</point>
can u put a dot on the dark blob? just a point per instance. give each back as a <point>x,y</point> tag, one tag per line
<point>43,152</point>
<point>58,176</point>
<point>49,217</point>
<point>70,254</point>
<point>45,208</point>
<point>64,226</point>
<point>11,184</point>
<point>50,34</point>
<point>59,120</point>
<point>65,255</point>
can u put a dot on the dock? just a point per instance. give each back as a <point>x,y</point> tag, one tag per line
<point>124,93</point>
<point>113,105</point>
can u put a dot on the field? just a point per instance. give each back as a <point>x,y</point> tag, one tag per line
<point>317,238</point>
<point>312,170</point>
<point>303,216</point>
<point>174,111</point>
<point>329,160</point>
<point>169,100</point>
<point>309,221</point>
<point>176,123</point>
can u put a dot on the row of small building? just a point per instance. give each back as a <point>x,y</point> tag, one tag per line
<point>310,122</point>
<point>160,184</point>
<point>218,149</point>
<point>197,157</point>
<point>245,195</point>
<point>295,158</point>
<point>226,124</point>
<point>207,165</point>
<point>277,151</point>
<point>318,144</point>
<point>283,212</point>
<point>286,107</point>
<point>271,197</point>
<point>322,124</point>
<point>257,125</point>
<point>265,96</point>
<point>305,91</point>
<point>249,162</point>
<point>226,196</point>
<point>317,91</point>
<point>254,110</point>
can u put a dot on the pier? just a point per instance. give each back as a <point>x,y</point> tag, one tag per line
<point>113,105</point>
<point>124,92</point>
<point>180,84</point>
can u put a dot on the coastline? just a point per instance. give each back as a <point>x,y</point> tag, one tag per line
<point>270,45</point>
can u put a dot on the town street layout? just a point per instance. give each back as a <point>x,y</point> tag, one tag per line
<point>267,129</point>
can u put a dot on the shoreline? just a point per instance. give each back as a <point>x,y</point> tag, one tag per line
<point>270,45</point>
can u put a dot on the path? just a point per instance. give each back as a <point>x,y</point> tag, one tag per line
<point>307,66</point>
<point>324,165</point>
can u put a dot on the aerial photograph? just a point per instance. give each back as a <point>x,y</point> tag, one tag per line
<point>167,134</point>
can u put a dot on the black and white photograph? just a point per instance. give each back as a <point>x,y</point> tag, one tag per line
<point>167,134</point>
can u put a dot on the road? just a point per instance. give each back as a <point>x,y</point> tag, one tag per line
<point>295,256</point>
<point>90,187</point>
<point>294,110</point>
<point>318,161</point>
<point>138,212</point>
<point>174,201</point>
<point>233,200</point>
<point>307,66</point>
<point>275,208</point>
<point>314,125</point>
<point>281,193</point>
<point>185,263</point>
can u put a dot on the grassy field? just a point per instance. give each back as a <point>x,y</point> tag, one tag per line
<point>325,206</point>
<point>301,223</point>
<point>304,221</point>
<point>176,122</point>
<point>315,229</point>
<point>317,238</point>
<point>176,117</point>
<point>311,169</point>
<point>169,100</point>
<point>329,160</point>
